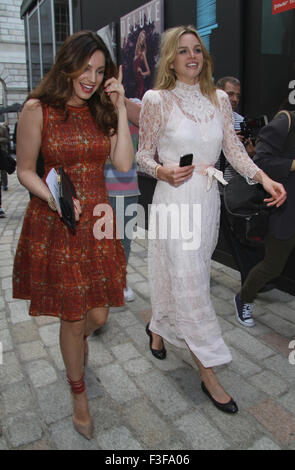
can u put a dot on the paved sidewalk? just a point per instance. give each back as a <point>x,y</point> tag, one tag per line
<point>139,402</point>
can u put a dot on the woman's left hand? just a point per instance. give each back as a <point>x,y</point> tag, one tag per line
<point>115,90</point>
<point>77,209</point>
<point>276,190</point>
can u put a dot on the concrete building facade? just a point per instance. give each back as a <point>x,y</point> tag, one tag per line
<point>13,67</point>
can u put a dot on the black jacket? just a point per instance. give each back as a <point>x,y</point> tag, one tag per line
<point>275,151</point>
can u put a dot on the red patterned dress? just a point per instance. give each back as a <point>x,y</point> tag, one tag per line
<point>65,274</point>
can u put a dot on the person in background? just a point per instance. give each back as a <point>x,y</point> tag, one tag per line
<point>279,162</point>
<point>5,145</point>
<point>77,117</point>
<point>2,213</point>
<point>123,189</point>
<point>245,256</point>
<point>232,86</point>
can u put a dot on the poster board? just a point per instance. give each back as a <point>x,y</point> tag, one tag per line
<point>140,36</point>
<point>278,6</point>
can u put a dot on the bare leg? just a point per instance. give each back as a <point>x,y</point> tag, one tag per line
<point>72,349</point>
<point>211,382</point>
<point>157,342</point>
<point>96,318</point>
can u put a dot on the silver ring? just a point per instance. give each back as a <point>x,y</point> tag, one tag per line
<point>116,85</point>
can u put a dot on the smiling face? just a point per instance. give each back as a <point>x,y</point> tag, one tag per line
<point>89,81</point>
<point>188,62</point>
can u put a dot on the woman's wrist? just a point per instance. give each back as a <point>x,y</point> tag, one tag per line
<point>121,108</point>
<point>160,173</point>
<point>157,171</point>
<point>260,176</point>
<point>51,203</point>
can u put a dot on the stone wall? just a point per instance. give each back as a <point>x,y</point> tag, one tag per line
<point>13,70</point>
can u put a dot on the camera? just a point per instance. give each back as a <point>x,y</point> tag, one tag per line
<point>251,127</point>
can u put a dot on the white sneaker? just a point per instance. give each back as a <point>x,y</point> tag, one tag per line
<point>128,294</point>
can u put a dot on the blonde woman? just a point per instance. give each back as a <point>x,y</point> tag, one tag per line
<point>140,64</point>
<point>186,114</point>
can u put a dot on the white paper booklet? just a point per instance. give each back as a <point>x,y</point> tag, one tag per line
<point>52,184</point>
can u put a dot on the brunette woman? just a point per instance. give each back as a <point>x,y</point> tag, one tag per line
<point>76,117</point>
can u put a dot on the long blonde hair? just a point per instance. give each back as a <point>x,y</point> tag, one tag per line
<point>166,78</point>
<point>141,43</point>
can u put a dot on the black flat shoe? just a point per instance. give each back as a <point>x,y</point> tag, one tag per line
<point>230,407</point>
<point>158,353</point>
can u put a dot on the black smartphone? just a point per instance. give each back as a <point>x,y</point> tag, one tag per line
<point>186,160</point>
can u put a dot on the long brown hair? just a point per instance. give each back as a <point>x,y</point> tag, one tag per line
<point>166,78</point>
<point>56,88</point>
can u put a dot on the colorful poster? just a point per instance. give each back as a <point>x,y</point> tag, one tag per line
<point>108,35</point>
<point>278,6</point>
<point>140,40</point>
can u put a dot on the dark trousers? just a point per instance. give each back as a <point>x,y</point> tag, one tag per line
<point>275,259</point>
<point>125,221</point>
<point>246,257</point>
<point>4,178</point>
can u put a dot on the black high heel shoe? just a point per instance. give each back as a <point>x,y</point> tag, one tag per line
<point>158,353</point>
<point>229,407</point>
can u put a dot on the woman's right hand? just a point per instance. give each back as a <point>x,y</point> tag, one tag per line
<point>175,175</point>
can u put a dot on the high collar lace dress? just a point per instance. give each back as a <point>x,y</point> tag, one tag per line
<point>184,220</point>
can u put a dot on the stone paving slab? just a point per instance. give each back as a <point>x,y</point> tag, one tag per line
<point>136,401</point>
<point>279,422</point>
<point>200,432</point>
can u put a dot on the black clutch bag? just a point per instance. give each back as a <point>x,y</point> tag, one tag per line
<point>248,214</point>
<point>242,199</point>
<point>66,194</point>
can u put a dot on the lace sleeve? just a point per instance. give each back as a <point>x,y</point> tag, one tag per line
<point>150,123</point>
<point>232,148</point>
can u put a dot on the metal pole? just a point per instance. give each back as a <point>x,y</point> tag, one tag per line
<point>40,40</point>
<point>71,16</point>
<point>53,29</point>
<point>29,53</point>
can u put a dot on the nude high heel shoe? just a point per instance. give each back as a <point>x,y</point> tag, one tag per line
<point>77,387</point>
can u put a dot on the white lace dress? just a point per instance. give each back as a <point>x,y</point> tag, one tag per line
<point>175,123</point>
